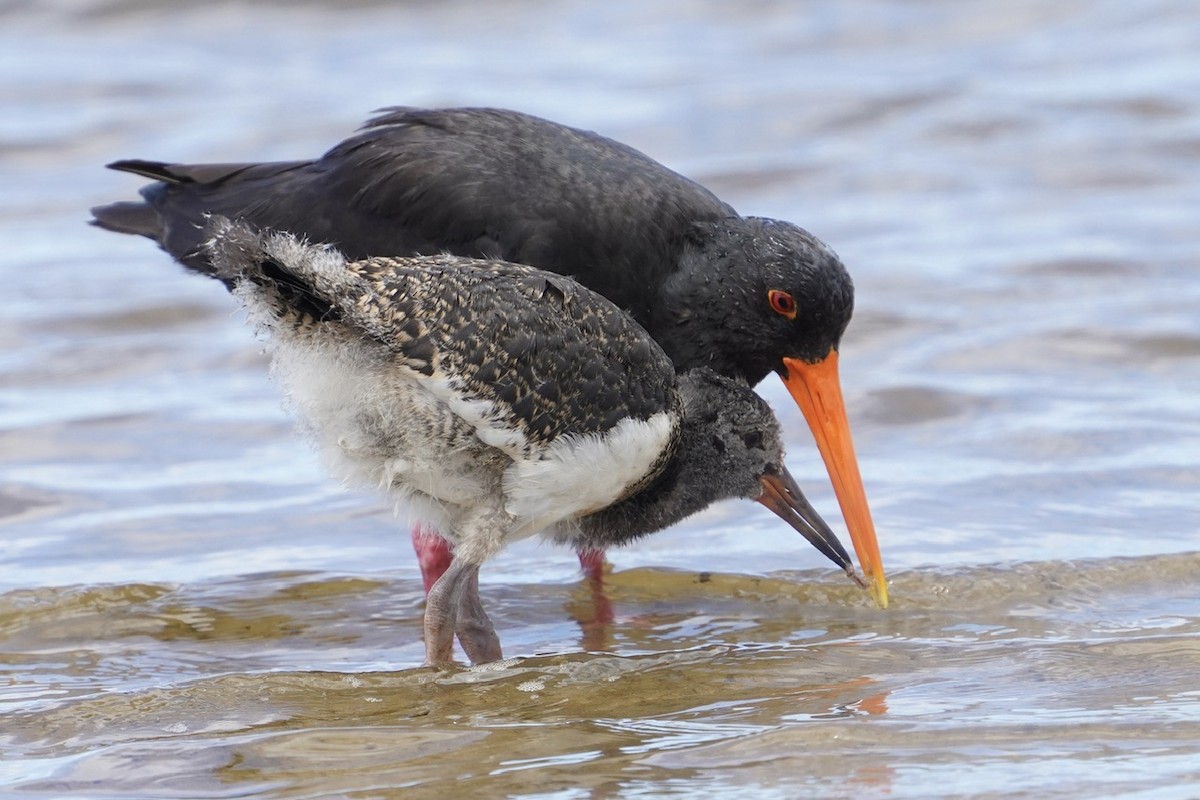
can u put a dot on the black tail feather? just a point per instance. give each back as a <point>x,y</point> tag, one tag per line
<point>154,170</point>
<point>128,217</point>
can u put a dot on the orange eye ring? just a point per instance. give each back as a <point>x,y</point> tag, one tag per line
<point>782,303</point>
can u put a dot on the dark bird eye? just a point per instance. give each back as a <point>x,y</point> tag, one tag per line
<point>782,303</point>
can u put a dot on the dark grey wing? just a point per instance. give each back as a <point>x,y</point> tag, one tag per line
<point>474,182</point>
<point>501,184</point>
<point>553,356</point>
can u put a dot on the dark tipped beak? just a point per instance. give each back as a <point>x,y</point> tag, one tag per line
<point>784,498</point>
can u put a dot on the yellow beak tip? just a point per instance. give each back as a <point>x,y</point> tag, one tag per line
<point>879,592</point>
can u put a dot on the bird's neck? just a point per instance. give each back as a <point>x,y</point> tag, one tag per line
<point>691,480</point>
<point>669,499</point>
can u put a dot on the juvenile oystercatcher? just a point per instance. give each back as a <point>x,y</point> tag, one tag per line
<point>743,296</point>
<point>499,401</point>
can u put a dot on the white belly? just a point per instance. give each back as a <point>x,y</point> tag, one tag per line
<point>381,426</point>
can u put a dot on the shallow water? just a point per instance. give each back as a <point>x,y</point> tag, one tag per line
<point>188,608</point>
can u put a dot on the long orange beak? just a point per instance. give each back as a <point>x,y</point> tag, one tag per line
<point>818,392</point>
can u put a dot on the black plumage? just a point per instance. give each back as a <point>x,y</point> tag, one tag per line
<point>491,183</point>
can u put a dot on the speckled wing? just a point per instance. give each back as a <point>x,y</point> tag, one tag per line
<point>552,357</point>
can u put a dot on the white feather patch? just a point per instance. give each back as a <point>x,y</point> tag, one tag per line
<point>577,475</point>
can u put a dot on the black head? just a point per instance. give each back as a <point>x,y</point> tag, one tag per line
<point>734,448</point>
<point>728,426</point>
<point>729,447</point>
<point>749,292</point>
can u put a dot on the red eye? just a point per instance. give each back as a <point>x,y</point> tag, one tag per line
<point>782,303</point>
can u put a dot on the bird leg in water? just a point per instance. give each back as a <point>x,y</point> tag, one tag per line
<point>453,608</point>
<point>592,562</point>
<point>434,555</point>
<point>475,632</point>
<point>441,610</point>
<point>594,565</point>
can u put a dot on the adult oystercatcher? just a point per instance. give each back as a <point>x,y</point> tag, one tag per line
<point>499,401</point>
<point>743,296</point>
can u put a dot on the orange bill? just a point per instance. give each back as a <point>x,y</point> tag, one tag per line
<point>818,392</point>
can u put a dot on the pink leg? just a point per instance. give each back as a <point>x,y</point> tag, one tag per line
<point>441,613</point>
<point>593,563</point>
<point>433,554</point>
<point>474,629</point>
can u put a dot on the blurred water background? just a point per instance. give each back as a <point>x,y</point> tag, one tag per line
<point>188,608</point>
